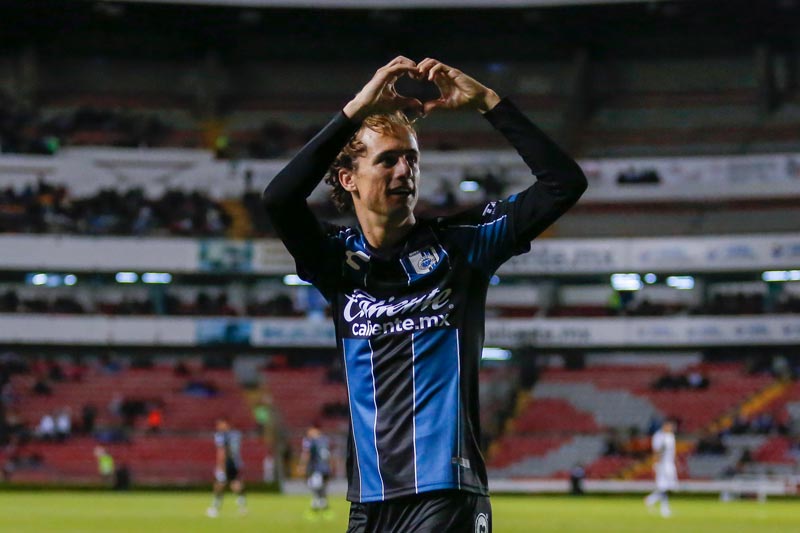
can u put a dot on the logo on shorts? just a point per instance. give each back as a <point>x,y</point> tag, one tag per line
<point>482,523</point>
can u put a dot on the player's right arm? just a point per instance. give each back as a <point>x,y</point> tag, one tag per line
<point>285,197</point>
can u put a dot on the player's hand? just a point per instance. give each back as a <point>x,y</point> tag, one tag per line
<point>457,90</point>
<point>220,476</point>
<point>379,94</point>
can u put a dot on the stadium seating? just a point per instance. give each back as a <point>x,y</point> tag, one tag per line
<point>595,400</point>
<point>181,451</point>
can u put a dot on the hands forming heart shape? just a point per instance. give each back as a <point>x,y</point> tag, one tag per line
<point>456,90</point>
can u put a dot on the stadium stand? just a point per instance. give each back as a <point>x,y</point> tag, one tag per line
<point>206,114</point>
<point>601,403</point>
<point>178,450</point>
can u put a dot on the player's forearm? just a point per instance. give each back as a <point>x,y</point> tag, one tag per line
<point>304,172</point>
<point>554,169</point>
<point>559,180</point>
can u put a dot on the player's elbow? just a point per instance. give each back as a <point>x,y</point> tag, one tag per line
<point>271,200</point>
<point>577,183</point>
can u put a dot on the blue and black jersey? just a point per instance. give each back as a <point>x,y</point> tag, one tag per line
<point>410,323</point>
<point>231,442</point>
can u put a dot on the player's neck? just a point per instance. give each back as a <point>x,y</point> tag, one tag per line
<point>384,233</point>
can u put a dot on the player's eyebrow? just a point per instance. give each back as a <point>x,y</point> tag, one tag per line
<point>394,153</point>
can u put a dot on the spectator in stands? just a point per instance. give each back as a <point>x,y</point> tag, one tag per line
<point>105,465</point>
<point>54,371</point>
<point>631,175</point>
<point>180,369</point>
<point>613,444</point>
<point>42,387</point>
<point>262,414</point>
<point>46,430</point>
<point>638,444</point>
<point>8,395</point>
<point>200,388</point>
<point>63,423</point>
<point>88,417</point>
<point>50,209</point>
<point>697,380</point>
<point>671,381</point>
<point>144,222</point>
<point>710,444</point>
<point>9,302</point>
<point>115,405</point>
<point>739,426</point>
<point>155,419</point>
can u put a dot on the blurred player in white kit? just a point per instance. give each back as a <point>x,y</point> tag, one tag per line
<point>663,444</point>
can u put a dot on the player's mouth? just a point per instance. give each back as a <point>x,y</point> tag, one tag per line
<point>401,191</point>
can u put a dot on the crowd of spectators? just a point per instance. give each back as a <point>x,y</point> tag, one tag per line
<point>24,129</point>
<point>626,442</point>
<point>168,303</point>
<point>217,304</point>
<point>693,380</point>
<point>625,304</point>
<point>46,208</point>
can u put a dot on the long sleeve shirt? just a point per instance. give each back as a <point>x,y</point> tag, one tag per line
<point>410,324</point>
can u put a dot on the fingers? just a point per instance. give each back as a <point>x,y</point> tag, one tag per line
<point>429,68</point>
<point>390,73</point>
<point>401,59</point>
<point>397,67</point>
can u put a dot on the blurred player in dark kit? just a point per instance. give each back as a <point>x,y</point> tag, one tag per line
<point>315,461</point>
<point>227,467</point>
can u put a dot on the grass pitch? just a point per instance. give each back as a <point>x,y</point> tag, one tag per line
<point>103,512</point>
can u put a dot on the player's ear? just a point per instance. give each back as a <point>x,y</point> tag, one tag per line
<point>347,179</point>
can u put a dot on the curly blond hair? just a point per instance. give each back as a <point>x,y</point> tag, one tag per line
<point>386,124</point>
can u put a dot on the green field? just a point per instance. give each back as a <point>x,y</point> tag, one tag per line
<point>96,512</point>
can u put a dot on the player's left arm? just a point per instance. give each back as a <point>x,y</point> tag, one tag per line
<point>559,184</point>
<point>505,228</point>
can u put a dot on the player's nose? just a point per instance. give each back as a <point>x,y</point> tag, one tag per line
<point>403,169</point>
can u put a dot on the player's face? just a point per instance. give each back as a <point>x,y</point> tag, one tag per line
<point>386,178</point>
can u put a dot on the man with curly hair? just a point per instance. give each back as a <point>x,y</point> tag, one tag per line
<point>408,293</point>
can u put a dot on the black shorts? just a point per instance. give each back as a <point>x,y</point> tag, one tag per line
<point>231,471</point>
<point>450,511</point>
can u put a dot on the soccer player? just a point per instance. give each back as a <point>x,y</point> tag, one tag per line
<point>408,294</point>
<point>228,442</point>
<point>663,443</point>
<point>315,460</point>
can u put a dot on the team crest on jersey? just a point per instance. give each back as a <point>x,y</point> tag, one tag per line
<point>425,260</point>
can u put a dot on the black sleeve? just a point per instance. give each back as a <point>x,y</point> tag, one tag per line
<point>285,199</point>
<point>494,232</point>
<point>560,182</point>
